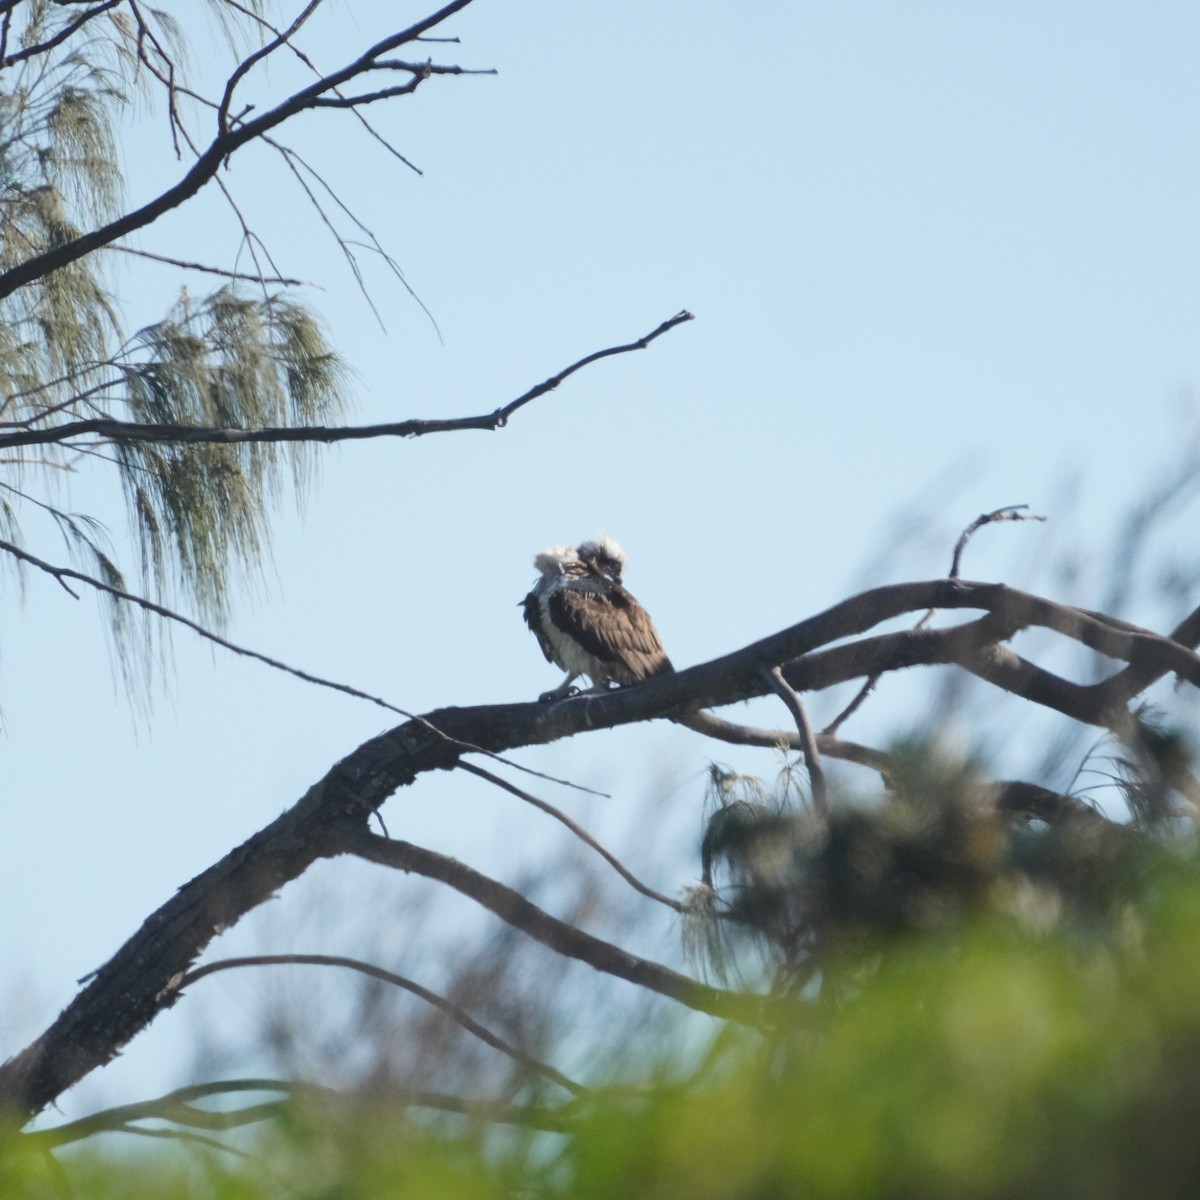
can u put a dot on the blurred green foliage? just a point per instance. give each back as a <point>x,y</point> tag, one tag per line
<point>994,1055</point>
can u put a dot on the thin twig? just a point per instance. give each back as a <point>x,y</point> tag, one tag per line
<point>295,162</point>
<point>1009,512</point>
<point>179,1107</point>
<point>455,1012</point>
<point>193,266</point>
<point>129,431</point>
<point>62,574</point>
<point>581,833</point>
<point>812,759</point>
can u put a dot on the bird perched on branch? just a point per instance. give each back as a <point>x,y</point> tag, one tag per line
<point>587,623</point>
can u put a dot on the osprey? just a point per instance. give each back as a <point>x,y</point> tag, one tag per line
<point>587,623</point>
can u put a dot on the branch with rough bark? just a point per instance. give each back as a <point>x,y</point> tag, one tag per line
<point>145,976</point>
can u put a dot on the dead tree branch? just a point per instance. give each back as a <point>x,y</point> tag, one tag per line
<point>62,574</point>
<point>143,977</point>
<point>1009,512</point>
<point>130,431</point>
<point>454,1012</point>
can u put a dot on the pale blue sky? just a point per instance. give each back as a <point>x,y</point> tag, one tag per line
<point>939,254</point>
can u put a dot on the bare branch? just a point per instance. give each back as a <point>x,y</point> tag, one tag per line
<point>57,40</point>
<point>578,830</point>
<point>129,431</point>
<point>308,62</point>
<point>245,66</point>
<point>179,1107</point>
<point>1010,512</point>
<point>454,1011</point>
<point>510,906</point>
<point>224,145</point>
<point>62,574</point>
<point>808,743</point>
<point>193,266</point>
<point>710,725</point>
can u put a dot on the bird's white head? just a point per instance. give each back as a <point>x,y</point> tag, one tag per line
<point>556,560</point>
<point>605,554</point>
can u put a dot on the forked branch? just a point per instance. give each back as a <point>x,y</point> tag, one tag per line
<point>145,975</point>
<point>233,135</point>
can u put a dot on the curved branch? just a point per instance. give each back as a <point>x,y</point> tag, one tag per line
<point>1009,512</point>
<point>455,1012</point>
<point>27,52</point>
<point>179,1108</point>
<point>564,939</point>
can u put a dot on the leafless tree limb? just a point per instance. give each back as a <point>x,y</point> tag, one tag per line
<point>129,431</point>
<point>279,280</point>
<point>143,978</point>
<point>455,1012</point>
<point>578,830</point>
<point>564,939</point>
<point>721,730</point>
<point>66,32</point>
<point>1009,512</point>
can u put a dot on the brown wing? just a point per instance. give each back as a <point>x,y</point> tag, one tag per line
<point>531,609</point>
<point>613,627</point>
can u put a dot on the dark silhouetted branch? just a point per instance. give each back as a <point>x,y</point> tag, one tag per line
<point>130,431</point>
<point>227,142</point>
